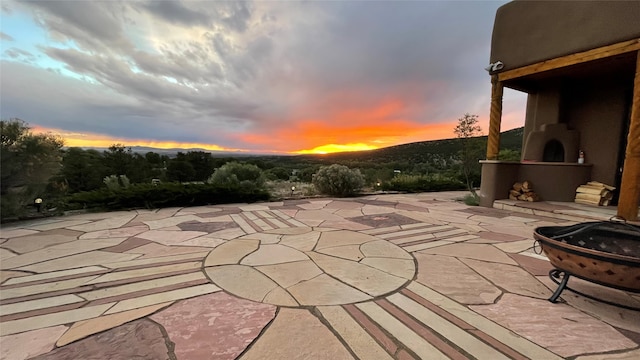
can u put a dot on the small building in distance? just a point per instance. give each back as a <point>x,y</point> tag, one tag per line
<point>579,63</point>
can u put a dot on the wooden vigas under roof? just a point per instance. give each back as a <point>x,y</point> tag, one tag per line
<point>572,59</point>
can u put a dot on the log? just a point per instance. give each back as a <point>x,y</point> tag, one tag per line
<point>588,189</point>
<point>526,186</point>
<point>514,193</point>
<point>522,197</point>
<point>517,186</point>
<point>599,184</point>
<point>587,202</point>
<point>588,197</point>
<point>533,197</point>
<point>512,197</point>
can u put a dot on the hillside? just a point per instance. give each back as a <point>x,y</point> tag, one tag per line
<point>418,151</point>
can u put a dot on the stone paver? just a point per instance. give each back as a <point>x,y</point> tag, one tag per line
<point>454,279</point>
<point>29,344</point>
<point>385,276</point>
<point>211,326</point>
<point>84,328</point>
<point>572,325</point>
<point>231,252</point>
<point>511,278</point>
<point>291,273</point>
<point>473,251</point>
<point>273,254</point>
<point>141,339</point>
<point>325,290</point>
<point>296,334</point>
<point>35,242</point>
<point>362,344</point>
<point>60,318</point>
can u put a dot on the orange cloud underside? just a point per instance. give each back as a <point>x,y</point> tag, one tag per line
<point>350,129</point>
<point>319,138</point>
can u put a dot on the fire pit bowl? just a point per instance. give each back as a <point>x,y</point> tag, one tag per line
<point>606,253</point>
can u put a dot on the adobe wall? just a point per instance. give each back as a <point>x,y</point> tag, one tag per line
<point>598,108</point>
<point>526,32</point>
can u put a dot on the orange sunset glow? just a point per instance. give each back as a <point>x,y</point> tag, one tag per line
<point>89,140</point>
<point>303,138</point>
<point>350,129</point>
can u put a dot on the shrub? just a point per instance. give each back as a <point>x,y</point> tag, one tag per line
<point>163,195</point>
<point>338,180</point>
<point>471,199</point>
<point>509,155</point>
<point>114,182</point>
<point>234,174</point>
<point>421,183</point>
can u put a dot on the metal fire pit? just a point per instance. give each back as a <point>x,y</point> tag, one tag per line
<point>605,253</point>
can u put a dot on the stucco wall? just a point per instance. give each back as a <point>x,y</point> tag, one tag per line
<point>527,32</point>
<point>597,108</point>
<point>551,181</point>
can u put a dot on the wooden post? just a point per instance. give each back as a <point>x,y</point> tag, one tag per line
<point>630,187</point>
<point>495,118</point>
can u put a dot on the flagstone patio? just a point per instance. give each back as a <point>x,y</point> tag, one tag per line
<point>417,276</point>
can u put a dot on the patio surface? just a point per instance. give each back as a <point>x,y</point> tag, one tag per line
<point>378,277</point>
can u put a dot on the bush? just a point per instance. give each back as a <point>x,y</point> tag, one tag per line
<point>235,174</point>
<point>163,195</point>
<point>471,199</point>
<point>114,182</point>
<point>338,180</point>
<point>422,183</point>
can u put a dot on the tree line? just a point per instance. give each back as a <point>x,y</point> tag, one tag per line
<point>37,165</point>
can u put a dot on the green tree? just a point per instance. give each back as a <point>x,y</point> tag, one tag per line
<point>202,163</point>
<point>278,173</point>
<point>82,170</point>
<point>119,160</point>
<point>509,155</point>
<point>27,163</point>
<point>234,174</point>
<point>338,180</point>
<point>180,170</point>
<point>468,130</point>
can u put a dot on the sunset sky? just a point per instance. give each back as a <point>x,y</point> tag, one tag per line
<point>258,77</point>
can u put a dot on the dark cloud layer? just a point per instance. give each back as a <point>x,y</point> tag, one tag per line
<point>239,72</point>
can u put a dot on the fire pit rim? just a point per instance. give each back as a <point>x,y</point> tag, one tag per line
<point>579,250</point>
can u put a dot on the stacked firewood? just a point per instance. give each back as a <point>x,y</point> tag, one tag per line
<point>594,193</point>
<point>523,191</point>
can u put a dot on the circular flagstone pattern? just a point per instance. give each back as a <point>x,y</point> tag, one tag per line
<point>304,267</point>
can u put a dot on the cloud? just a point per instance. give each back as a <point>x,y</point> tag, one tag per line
<point>96,26</point>
<point>256,75</point>
<point>233,15</point>
<point>6,37</point>
<point>20,55</point>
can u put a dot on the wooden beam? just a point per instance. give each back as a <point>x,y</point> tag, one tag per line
<point>573,59</point>
<point>495,118</point>
<point>630,187</point>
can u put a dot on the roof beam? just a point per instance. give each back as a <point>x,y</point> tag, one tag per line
<point>572,59</point>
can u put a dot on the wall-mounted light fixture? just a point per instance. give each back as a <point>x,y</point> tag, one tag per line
<point>498,65</point>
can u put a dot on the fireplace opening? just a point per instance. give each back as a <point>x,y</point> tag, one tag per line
<point>553,151</point>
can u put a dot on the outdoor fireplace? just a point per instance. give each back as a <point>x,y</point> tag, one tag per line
<point>552,143</point>
<point>605,253</point>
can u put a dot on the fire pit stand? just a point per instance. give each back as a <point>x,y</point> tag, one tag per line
<point>604,253</point>
<point>556,274</point>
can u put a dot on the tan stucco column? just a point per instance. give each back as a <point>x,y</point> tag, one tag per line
<point>495,118</point>
<point>630,187</point>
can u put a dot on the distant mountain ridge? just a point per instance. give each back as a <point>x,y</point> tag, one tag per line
<point>416,151</point>
<point>423,150</point>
